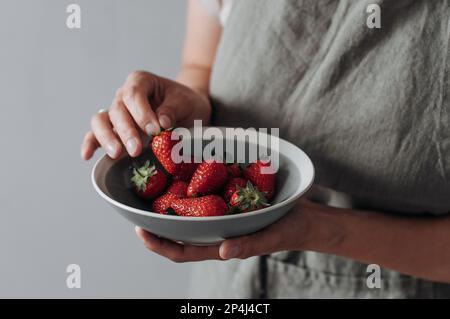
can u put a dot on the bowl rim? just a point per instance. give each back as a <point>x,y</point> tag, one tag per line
<point>206,218</point>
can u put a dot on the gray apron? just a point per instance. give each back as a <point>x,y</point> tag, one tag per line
<point>371,108</point>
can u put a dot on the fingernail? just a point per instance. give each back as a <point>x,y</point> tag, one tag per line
<point>233,252</point>
<point>111,150</point>
<point>137,229</point>
<point>165,122</point>
<point>131,145</point>
<point>152,129</point>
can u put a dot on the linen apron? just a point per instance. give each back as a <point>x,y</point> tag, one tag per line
<point>369,106</point>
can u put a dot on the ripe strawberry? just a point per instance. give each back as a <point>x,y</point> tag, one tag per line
<point>175,191</point>
<point>149,182</point>
<point>264,182</point>
<point>178,188</point>
<point>162,203</point>
<point>234,170</point>
<point>248,198</point>
<point>186,170</point>
<point>162,145</point>
<point>231,186</point>
<point>211,205</point>
<point>208,178</point>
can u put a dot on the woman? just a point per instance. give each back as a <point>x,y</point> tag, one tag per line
<point>370,106</point>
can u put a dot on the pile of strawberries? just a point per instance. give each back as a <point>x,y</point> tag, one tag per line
<point>209,188</point>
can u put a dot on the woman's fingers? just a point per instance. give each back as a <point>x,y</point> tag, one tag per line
<point>291,232</point>
<point>103,131</point>
<point>261,243</point>
<point>135,96</point>
<point>126,128</point>
<point>89,145</point>
<point>179,106</point>
<point>285,234</point>
<point>177,252</point>
<point>173,104</point>
<point>169,111</point>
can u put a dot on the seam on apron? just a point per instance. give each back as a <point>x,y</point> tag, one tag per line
<point>263,272</point>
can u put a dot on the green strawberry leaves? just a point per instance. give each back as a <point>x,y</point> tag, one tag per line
<point>142,174</point>
<point>250,198</point>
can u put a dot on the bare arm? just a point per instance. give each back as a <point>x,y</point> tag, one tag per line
<point>417,246</point>
<point>202,37</point>
<point>410,245</point>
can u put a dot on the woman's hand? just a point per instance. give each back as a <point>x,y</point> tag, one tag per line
<point>144,104</point>
<point>370,237</point>
<point>394,242</point>
<point>292,232</point>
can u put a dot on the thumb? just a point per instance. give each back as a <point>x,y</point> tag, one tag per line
<point>172,111</point>
<point>261,243</point>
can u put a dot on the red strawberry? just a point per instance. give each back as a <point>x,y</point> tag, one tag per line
<point>175,191</point>
<point>211,205</point>
<point>264,182</point>
<point>186,171</point>
<point>234,170</point>
<point>230,187</point>
<point>149,182</point>
<point>208,178</point>
<point>162,145</point>
<point>248,198</point>
<point>178,188</point>
<point>162,203</point>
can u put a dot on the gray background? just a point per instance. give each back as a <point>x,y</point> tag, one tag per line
<point>52,80</point>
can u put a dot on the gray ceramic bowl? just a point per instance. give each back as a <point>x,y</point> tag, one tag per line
<point>111,180</point>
